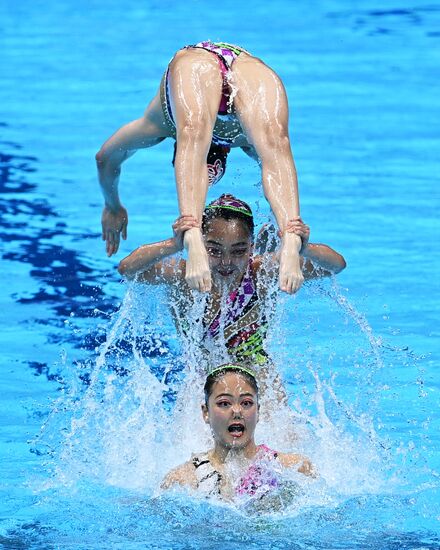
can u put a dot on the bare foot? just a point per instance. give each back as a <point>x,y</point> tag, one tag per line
<point>291,277</point>
<point>198,274</point>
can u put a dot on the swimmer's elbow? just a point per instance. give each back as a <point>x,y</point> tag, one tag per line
<point>341,264</point>
<point>108,159</point>
<point>307,468</point>
<point>125,271</point>
<point>101,157</point>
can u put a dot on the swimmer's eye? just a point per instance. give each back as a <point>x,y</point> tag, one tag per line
<point>223,404</point>
<point>238,252</point>
<point>214,252</point>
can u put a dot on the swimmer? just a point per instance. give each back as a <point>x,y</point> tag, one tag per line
<point>213,97</point>
<point>235,319</point>
<point>236,466</point>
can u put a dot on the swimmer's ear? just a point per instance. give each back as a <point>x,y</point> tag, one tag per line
<point>205,413</point>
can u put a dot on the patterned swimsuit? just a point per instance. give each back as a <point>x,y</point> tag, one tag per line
<point>226,128</point>
<point>258,479</point>
<point>243,325</point>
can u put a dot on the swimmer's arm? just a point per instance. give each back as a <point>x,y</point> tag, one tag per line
<point>140,133</point>
<point>321,261</point>
<point>145,263</point>
<point>317,260</point>
<point>182,475</point>
<point>301,463</point>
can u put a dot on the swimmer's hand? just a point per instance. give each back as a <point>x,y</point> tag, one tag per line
<point>290,277</point>
<point>182,224</point>
<point>114,224</point>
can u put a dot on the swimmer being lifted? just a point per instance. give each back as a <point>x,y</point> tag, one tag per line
<point>213,96</point>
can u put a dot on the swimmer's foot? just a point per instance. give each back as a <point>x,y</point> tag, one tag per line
<point>291,277</point>
<point>198,274</point>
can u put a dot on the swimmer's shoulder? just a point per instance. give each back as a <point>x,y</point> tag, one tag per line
<point>181,475</point>
<point>264,265</point>
<point>301,463</point>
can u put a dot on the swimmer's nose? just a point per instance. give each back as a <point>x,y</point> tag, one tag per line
<point>226,259</point>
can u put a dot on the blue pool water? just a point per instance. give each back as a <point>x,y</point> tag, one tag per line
<point>90,366</point>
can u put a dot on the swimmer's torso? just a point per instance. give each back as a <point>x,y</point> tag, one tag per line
<point>258,476</point>
<point>233,326</point>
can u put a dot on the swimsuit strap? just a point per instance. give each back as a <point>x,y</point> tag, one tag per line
<point>264,451</point>
<point>208,478</point>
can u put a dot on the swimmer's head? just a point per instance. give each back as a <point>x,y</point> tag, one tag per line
<point>228,207</point>
<point>218,373</point>
<point>231,406</point>
<point>216,161</point>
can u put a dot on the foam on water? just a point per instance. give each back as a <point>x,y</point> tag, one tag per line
<point>120,429</point>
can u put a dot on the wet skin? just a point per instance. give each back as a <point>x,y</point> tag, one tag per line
<point>232,414</point>
<point>229,247</point>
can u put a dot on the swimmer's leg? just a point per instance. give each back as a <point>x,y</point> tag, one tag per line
<point>261,106</point>
<point>195,90</point>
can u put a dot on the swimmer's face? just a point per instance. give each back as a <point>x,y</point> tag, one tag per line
<point>232,411</point>
<point>229,247</point>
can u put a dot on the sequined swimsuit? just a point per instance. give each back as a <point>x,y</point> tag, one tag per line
<point>227,127</point>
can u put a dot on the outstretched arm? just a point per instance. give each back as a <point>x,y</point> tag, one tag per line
<point>182,475</point>
<point>301,463</point>
<point>318,260</point>
<point>145,263</point>
<point>321,261</point>
<point>143,132</point>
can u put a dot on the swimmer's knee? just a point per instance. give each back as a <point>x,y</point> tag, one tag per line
<point>197,128</point>
<point>273,137</point>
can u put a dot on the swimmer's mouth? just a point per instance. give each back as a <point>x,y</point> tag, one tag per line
<point>226,272</point>
<point>236,429</point>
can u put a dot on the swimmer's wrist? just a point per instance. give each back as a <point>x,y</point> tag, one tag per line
<point>114,206</point>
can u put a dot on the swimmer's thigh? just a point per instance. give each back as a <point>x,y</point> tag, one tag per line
<point>195,85</point>
<point>260,102</point>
